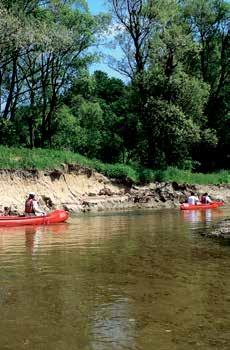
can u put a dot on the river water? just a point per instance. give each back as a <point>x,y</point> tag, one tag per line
<point>138,280</point>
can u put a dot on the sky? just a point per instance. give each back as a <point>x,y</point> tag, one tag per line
<point>97,6</point>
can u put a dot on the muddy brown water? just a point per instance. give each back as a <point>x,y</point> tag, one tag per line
<point>137,280</point>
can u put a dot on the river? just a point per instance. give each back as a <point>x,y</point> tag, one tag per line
<point>134,280</point>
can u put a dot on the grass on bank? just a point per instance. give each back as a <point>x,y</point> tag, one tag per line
<point>41,159</point>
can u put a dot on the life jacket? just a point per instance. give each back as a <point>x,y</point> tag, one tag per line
<point>203,200</point>
<point>29,208</point>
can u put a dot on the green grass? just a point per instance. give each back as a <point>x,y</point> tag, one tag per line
<point>48,159</point>
<point>41,159</point>
<point>186,176</point>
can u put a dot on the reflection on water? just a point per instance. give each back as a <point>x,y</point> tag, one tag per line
<point>133,280</point>
<point>207,215</point>
<point>33,235</point>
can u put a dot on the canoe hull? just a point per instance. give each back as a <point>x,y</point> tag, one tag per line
<point>213,205</point>
<point>54,217</point>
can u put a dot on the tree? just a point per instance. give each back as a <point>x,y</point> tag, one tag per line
<point>135,22</point>
<point>209,24</point>
<point>48,43</point>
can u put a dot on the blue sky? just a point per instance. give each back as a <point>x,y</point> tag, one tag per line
<point>97,6</point>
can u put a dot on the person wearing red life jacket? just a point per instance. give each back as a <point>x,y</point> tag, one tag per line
<point>205,199</point>
<point>32,207</point>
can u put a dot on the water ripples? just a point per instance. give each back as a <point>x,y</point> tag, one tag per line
<point>134,280</point>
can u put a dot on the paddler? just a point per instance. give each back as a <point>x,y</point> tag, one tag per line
<point>32,207</point>
<point>205,199</point>
<point>192,199</point>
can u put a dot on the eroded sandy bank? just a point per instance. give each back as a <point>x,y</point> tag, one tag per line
<point>76,189</point>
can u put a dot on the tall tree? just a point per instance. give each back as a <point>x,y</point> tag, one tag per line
<point>48,43</point>
<point>135,23</point>
<point>209,23</point>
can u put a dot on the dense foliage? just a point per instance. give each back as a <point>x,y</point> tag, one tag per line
<point>174,109</point>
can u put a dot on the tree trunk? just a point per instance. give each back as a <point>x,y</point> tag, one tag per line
<point>12,86</point>
<point>31,118</point>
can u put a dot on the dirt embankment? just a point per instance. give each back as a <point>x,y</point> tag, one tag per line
<point>76,189</point>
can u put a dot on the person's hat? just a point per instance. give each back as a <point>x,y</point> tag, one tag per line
<point>31,193</point>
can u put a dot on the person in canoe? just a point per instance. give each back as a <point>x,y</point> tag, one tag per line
<point>32,207</point>
<point>192,199</point>
<point>205,199</point>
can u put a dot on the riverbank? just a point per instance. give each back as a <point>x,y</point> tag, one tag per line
<point>80,189</point>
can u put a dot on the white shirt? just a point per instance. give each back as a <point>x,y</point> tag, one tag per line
<point>192,200</point>
<point>208,199</point>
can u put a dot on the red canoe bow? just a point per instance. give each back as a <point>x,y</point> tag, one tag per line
<point>54,217</point>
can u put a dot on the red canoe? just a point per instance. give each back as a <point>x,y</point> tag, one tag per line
<point>54,217</point>
<point>213,205</point>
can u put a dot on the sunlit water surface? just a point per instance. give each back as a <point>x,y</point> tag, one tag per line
<point>140,280</point>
